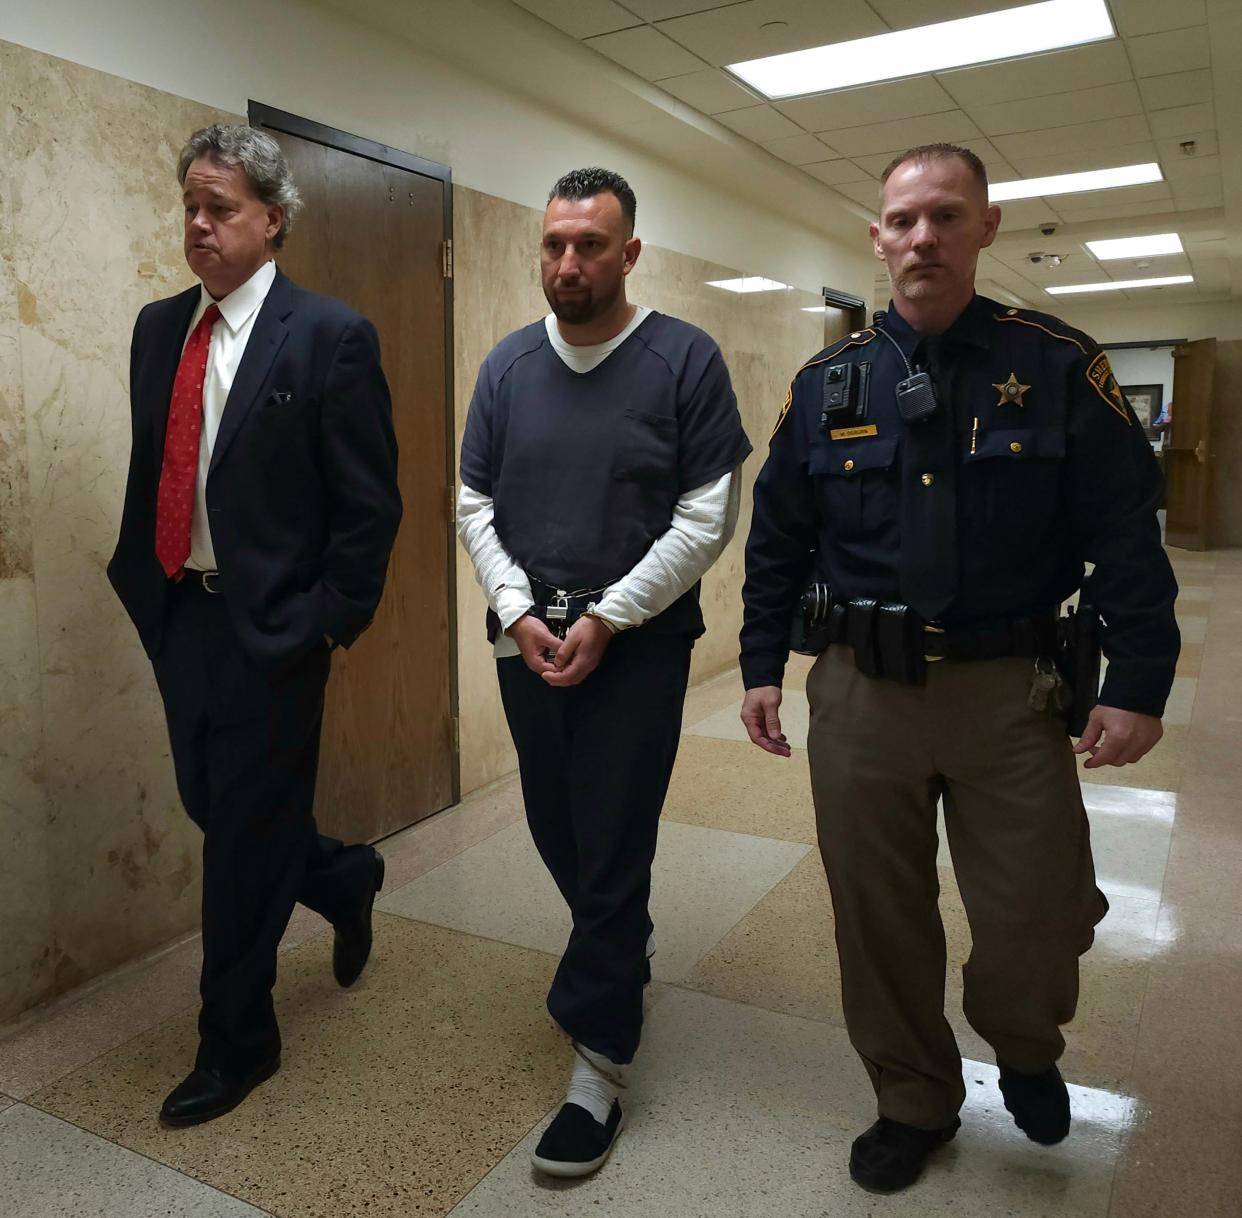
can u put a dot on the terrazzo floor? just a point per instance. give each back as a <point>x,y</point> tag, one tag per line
<point>421,1090</point>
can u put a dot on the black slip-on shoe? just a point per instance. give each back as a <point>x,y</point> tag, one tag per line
<point>576,1144</point>
<point>205,1094</point>
<point>351,947</point>
<point>890,1155</point>
<point>1039,1103</point>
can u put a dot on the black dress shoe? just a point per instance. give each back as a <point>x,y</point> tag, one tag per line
<point>576,1144</point>
<point>352,945</point>
<point>1039,1103</point>
<point>890,1155</point>
<point>206,1094</point>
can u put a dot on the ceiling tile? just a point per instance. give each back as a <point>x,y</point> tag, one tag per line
<point>870,104</point>
<point>906,14</point>
<point>798,149</point>
<point>1174,51</point>
<point>1112,211</point>
<point>1102,63</point>
<point>1134,17</point>
<point>1027,213</point>
<point>834,173</point>
<point>1182,169</point>
<point>905,133</point>
<point>735,33</point>
<point>710,91</point>
<point>582,18</point>
<point>866,193</point>
<point>1063,109</point>
<point>1077,160</point>
<point>759,123</point>
<point>1207,143</point>
<point>1176,89</point>
<point>661,10</point>
<point>1100,133</point>
<point>995,164</point>
<point>1197,195</point>
<point>1180,121</point>
<point>646,52</point>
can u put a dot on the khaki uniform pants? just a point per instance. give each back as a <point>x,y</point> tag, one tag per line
<point>881,756</point>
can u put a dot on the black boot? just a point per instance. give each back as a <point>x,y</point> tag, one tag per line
<point>1039,1103</point>
<point>205,1093</point>
<point>890,1155</point>
<point>352,945</point>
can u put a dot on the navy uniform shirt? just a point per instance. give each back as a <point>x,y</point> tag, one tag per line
<point>1053,472</point>
<point>585,468</point>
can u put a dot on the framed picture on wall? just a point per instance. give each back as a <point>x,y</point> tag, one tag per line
<point>1146,401</point>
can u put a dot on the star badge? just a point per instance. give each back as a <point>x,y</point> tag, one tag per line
<point>1011,391</point>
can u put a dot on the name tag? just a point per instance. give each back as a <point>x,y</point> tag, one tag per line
<point>853,433</point>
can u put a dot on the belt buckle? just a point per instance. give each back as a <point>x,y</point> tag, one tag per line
<point>931,628</point>
<point>207,577</point>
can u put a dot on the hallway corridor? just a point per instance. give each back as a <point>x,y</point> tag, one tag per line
<point>422,1090</point>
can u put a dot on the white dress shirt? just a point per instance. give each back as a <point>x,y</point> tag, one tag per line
<point>229,337</point>
<point>702,525</point>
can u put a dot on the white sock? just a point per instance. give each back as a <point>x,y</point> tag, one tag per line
<point>595,1082</point>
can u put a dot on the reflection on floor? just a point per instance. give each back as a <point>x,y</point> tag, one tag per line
<point>420,1091</point>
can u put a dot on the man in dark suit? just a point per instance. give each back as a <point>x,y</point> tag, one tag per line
<point>260,512</point>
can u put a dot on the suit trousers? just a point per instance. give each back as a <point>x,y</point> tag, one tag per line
<point>882,755</point>
<point>595,762</point>
<point>245,746</point>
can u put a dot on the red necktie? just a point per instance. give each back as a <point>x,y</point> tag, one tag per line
<point>174,503</point>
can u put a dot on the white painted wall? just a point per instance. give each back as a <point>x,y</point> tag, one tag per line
<point>1134,324</point>
<point>321,65</point>
<point>1144,366</point>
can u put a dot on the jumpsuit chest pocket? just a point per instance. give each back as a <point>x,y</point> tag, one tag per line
<point>647,449</point>
<point>850,479</point>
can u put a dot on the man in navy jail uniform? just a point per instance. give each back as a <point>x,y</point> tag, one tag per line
<point>598,485</point>
<point>947,473</point>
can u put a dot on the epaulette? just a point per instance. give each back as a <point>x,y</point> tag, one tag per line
<point>1099,371</point>
<point>859,338</point>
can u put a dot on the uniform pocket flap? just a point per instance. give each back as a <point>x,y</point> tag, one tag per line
<point>1016,443</point>
<point>843,458</point>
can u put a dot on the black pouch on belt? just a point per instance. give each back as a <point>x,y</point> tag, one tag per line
<point>1078,658</point>
<point>899,640</point>
<point>860,634</point>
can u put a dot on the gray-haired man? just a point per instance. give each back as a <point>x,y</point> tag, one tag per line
<point>260,510</point>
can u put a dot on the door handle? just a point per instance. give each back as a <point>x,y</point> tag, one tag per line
<point>1201,452</point>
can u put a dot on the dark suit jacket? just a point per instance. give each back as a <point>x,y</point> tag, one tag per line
<point>302,490</point>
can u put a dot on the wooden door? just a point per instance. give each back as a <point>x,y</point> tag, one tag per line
<point>373,234</point>
<point>1187,464</point>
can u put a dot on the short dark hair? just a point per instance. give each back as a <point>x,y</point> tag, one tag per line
<point>587,183</point>
<point>940,152</point>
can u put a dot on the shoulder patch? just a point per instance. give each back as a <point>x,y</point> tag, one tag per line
<point>1012,315</point>
<point>859,338</point>
<point>1100,375</point>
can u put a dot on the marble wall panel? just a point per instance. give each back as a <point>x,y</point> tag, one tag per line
<point>765,338</point>
<point>93,223</point>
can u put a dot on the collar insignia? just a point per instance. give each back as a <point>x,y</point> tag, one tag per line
<point>1011,391</point>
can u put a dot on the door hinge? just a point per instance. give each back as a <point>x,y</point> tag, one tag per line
<point>446,258</point>
<point>450,502</point>
<point>455,732</point>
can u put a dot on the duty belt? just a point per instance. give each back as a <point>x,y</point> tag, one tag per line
<point>891,640</point>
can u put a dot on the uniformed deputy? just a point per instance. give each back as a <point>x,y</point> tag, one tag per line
<point>947,473</point>
<point>598,486</point>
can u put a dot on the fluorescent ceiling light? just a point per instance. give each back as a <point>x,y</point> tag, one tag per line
<point>1136,247</point>
<point>1075,183</point>
<point>1008,34</point>
<point>1118,285</point>
<point>748,283</point>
